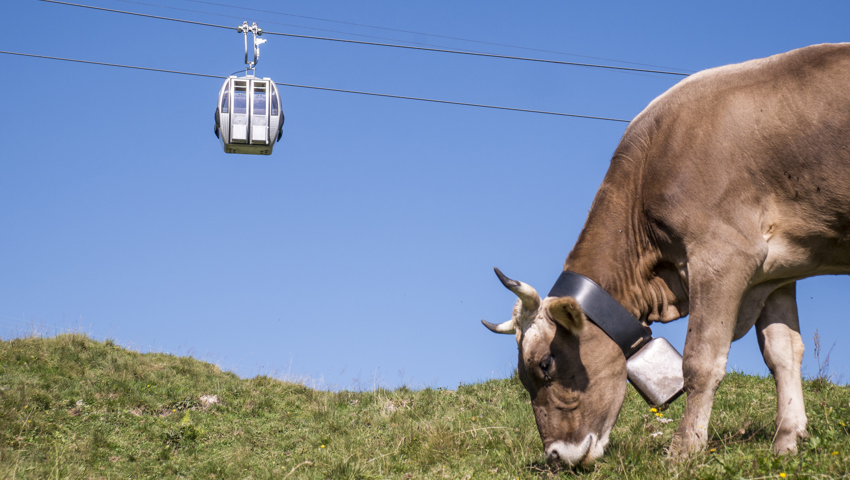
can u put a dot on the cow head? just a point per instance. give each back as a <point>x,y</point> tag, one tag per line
<point>575,374</point>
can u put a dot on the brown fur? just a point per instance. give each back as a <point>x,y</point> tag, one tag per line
<point>723,192</point>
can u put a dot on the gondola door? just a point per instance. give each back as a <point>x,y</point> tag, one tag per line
<point>239,112</point>
<point>259,112</point>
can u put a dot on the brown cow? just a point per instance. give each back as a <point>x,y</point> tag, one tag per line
<point>723,192</point>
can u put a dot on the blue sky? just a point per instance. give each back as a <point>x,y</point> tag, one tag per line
<point>361,252</point>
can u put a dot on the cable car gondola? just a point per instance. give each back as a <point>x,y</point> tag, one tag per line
<point>248,116</point>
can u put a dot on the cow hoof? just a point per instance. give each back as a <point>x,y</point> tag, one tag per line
<point>676,456</point>
<point>683,445</point>
<point>787,443</point>
<point>678,450</point>
<point>784,448</point>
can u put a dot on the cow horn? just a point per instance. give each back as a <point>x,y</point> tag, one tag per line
<point>504,327</point>
<point>525,292</point>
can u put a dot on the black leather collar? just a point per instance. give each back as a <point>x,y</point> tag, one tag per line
<point>603,310</point>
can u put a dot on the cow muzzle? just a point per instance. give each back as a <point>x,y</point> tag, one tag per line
<point>571,454</point>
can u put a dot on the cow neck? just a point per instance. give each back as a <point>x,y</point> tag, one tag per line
<point>613,249</point>
<point>601,309</point>
<point>620,279</point>
<point>603,272</point>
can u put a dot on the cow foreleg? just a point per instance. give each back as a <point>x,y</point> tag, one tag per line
<point>703,366</point>
<point>716,288</point>
<point>778,331</point>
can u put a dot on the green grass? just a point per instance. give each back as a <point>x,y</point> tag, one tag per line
<point>72,407</point>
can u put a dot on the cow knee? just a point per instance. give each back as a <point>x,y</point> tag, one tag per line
<point>703,375</point>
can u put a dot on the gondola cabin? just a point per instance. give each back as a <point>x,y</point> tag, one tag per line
<point>248,118</point>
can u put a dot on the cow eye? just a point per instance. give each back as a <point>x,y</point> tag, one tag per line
<point>546,363</point>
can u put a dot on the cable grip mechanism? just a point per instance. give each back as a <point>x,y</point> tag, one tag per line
<point>255,32</point>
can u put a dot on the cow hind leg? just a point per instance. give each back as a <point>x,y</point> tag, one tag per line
<point>778,331</point>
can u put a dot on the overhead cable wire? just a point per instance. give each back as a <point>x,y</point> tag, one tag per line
<point>267,21</point>
<point>481,54</point>
<point>419,33</point>
<point>448,102</point>
<point>140,14</point>
<point>264,21</point>
<point>110,64</point>
<point>328,89</point>
<point>409,47</point>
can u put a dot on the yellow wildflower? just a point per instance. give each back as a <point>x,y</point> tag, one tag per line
<point>653,410</point>
<point>835,453</point>
<point>782,475</point>
<point>321,446</point>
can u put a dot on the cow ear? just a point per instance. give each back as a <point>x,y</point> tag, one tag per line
<point>566,312</point>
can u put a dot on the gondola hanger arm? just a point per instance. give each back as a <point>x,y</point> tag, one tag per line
<point>255,32</point>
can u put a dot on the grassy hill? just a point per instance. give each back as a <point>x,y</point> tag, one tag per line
<point>72,407</point>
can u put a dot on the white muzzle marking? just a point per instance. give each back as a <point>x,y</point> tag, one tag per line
<point>571,454</point>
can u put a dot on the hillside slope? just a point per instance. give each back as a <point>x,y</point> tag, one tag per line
<point>72,407</point>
